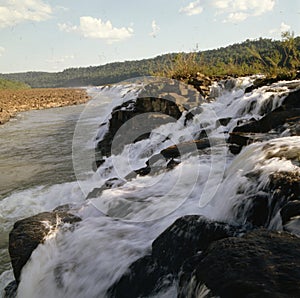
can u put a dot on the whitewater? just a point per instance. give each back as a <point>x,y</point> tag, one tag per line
<point>48,160</point>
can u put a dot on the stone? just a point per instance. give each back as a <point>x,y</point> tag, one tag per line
<point>28,233</point>
<point>287,113</point>
<point>254,210</point>
<point>259,264</point>
<point>157,111</point>
<point>144,277</point>
<point>10,290</point>
<point>185,237</point>
<point>290,210</point>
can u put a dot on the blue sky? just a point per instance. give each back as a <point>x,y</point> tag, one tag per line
<point>43,35</point>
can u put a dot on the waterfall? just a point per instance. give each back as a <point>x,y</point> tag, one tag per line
<point>120,222</point>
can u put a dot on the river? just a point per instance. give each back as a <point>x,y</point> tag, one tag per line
<point>46,160</point>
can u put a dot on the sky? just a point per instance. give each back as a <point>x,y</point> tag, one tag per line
<point>41,35</point>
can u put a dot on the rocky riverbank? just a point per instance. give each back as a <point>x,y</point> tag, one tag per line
<point>15,101</point>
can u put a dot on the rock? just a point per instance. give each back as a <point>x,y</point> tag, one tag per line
<point>10,290</point>
<point>144,277</point>
<point>185,147</point>
<point>290,210</point>
<point>157,111</point>
<point>259,264</point>
<point>185,237</point>
<point>28,233</point>
<point>288,112</point>
<point>254,210</point>
<point>110,183</point>
<point>290,108</point>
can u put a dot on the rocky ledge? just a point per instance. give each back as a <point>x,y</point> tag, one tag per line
<point>15,101</point>
<point>28,233</point>
<point>202,258</point>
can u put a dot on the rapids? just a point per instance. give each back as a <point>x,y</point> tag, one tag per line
<point>47,160</point>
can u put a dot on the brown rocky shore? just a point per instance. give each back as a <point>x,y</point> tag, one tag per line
<point>15,101</point>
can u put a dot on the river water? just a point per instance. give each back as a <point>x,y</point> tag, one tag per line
<point>46,160</point>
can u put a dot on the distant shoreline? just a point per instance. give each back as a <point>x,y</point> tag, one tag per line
<point>13,102</point>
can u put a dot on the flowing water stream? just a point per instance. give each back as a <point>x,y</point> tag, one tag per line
<point>46,160</point>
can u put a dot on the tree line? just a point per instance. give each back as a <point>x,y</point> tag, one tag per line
<point>267,56</point>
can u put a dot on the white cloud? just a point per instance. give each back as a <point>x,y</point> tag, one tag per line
<point>192,8</point>
<point>236,17</point>
<point>282,28</point>
<point>155,29</point>
<point>90,27</point>
<point>2,50</point>
<point>238,11</point>
<point>13,12</point>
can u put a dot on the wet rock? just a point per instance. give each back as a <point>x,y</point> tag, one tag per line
<point>259,264</point>
<point>225,121</point>
<point>185,147</point>
<point>254,210</point>
<point>28,233</point>
<point>110,183</point>
<point>276,119</point>
<point>284,187</point>
<point>143,278</point>
<point>10,290</point>
<point>155,111</point>
<point>185,237</point>
<point>290,210</point>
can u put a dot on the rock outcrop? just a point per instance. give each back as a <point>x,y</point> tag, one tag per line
<point>259,264</point>
<point>28,233</point>
<point>287,116</point>
<point>186,237</point>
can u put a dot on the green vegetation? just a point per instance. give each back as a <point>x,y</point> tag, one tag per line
<point>270,57</point>
<point>14,85</point>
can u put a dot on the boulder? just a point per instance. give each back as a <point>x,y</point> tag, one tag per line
<point>259,264</point>
<point>143,278</point>
<point>28,233</point>
<point>254,210</point>
<point>183,239</point>
<point>290,210</point>
<point>157,111</point>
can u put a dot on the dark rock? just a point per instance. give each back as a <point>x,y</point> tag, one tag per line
<point>290,210</point>
<point>185,147</point>
<point>225,121</point>
<point>144,277</point>
<point>28,233</point>
<point>254,210</point>
<point>260,264</point>
<point>287,113</point>
<point>190,115</point>
<point>290,108</point>
<point>157,111</point>
<point>110,183</point>
<point>284,187</point>
<point>239,139</point>
<point>185,237</point>
<point>10,290</point>
<point>235,149</point>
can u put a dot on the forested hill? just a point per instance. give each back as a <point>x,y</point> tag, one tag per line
<point>250,56</point>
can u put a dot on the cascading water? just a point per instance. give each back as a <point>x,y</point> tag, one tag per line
<point>119,225</point>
